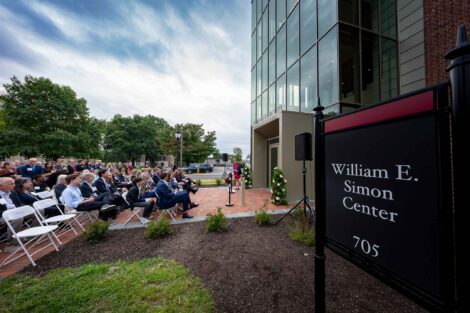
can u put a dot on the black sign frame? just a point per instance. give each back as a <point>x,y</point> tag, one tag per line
<point>441,113</point>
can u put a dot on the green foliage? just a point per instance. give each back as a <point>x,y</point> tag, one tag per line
<point>96,231</point>
<point>157,229</point>
<point>218,181</point>
<point>197,143</point>
<point>148,285</point>
<point>128,138</point>
<point>303,232</point>
<point>216,222</point>
<point>38,117</point>
<point>262,218</point>
<point>278,187</point>
<point>246,172</point>
<point>198,182</point>
<point>237,154</point>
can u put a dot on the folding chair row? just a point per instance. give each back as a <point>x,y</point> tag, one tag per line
<point>31,236</point>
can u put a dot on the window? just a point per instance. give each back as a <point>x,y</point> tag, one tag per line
<point>259,10</point>
<point>349,11</point>
<point>264,77</point>
<point>326,15</point>
<point>293,37</point>
<point>349,64</point>
<point>388,79</point>
<point>265,30</point>
<point>258,41</point>
<point>290,5</point>
<point>281,51</point>
<point>253,84</point>
<point>253,50</point>
<point>293,88</point>
<point>308,80</point>
<point>328,68</point>
<point>253,112</point>
<point>265,104</point>
<point>388,18</point>
<point>258,109</point>
<point>369,18</point>
<point>253,15</point>
<point>272,63</point>
<point>281,12</point>
<point>370,68</point>
<point>308,24</point>
<point>258,78</point>
<point>272,99</point>
<point>281,93</point>
<point>272,19</point>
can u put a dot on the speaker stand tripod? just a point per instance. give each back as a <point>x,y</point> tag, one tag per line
<point>304,199</point>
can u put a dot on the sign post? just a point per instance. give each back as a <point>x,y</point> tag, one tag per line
<point>320,306</point>
<point>459,73</point>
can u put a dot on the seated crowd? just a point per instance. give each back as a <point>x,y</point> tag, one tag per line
<point>88,186</point>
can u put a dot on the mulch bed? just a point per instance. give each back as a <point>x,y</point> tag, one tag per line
<point>248,269</point>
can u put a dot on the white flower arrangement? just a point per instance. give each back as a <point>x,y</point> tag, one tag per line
<point>277,198</point>
<point>278,184</point>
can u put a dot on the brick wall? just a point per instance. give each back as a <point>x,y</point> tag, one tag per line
<point>441,19</point>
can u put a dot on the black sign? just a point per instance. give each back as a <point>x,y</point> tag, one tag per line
<point>382,197</point>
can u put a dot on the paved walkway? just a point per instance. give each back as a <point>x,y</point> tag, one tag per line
<point>209,200</point>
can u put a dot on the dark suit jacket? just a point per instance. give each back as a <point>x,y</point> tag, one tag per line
<point>71,169</point>
<point>86,190</point>
<point>133,196</point>
<point>101,186</point>
<point>33,170</point>
<point>25,198</point>
<point>16,199</point>
<point>3,208</point>
<point>166,198</point>
<point>59,189</point>
<point>155,178</point>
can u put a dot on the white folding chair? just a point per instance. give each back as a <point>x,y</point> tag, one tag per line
<point>135,211</point>
<point>170,212</point>
<point>45,194</point>
<point>35,234</point>
<point>62,218</point>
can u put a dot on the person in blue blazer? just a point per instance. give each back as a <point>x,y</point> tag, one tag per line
<point>167,199</point>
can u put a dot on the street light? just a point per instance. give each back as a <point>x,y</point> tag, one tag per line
<point>178,136</point>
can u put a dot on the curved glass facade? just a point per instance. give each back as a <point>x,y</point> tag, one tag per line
<point>342,51</point>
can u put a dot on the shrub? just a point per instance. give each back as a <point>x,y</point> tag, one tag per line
<point>156,229</point>
<point>218,181</point>
<point>278,187</point>
<point>262,218</point>
<point>198,182</point>
<point>247,174</point>
<point>303,232</point>
<point>96,231</point>
<point>216,222</point>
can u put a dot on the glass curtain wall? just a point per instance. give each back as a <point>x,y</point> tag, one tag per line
<point>342,51</point>
<point>368,61</point>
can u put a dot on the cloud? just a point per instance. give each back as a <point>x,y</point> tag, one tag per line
<point>185,66</point>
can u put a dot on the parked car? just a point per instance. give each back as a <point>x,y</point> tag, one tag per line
<point>202,167</point>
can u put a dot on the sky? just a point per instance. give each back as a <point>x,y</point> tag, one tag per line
<point>187,61</point>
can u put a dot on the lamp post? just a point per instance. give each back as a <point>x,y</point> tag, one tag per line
<point>178,136</point>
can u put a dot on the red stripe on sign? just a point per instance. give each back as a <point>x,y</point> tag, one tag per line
<point>419,103</point>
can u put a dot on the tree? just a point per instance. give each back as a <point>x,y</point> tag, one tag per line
<point>129,138</point>
<point>43,118</point>
<point>237,154</point>
<point>197,143</point>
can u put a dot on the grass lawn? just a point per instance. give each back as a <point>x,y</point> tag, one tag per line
<point>148,285</point>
